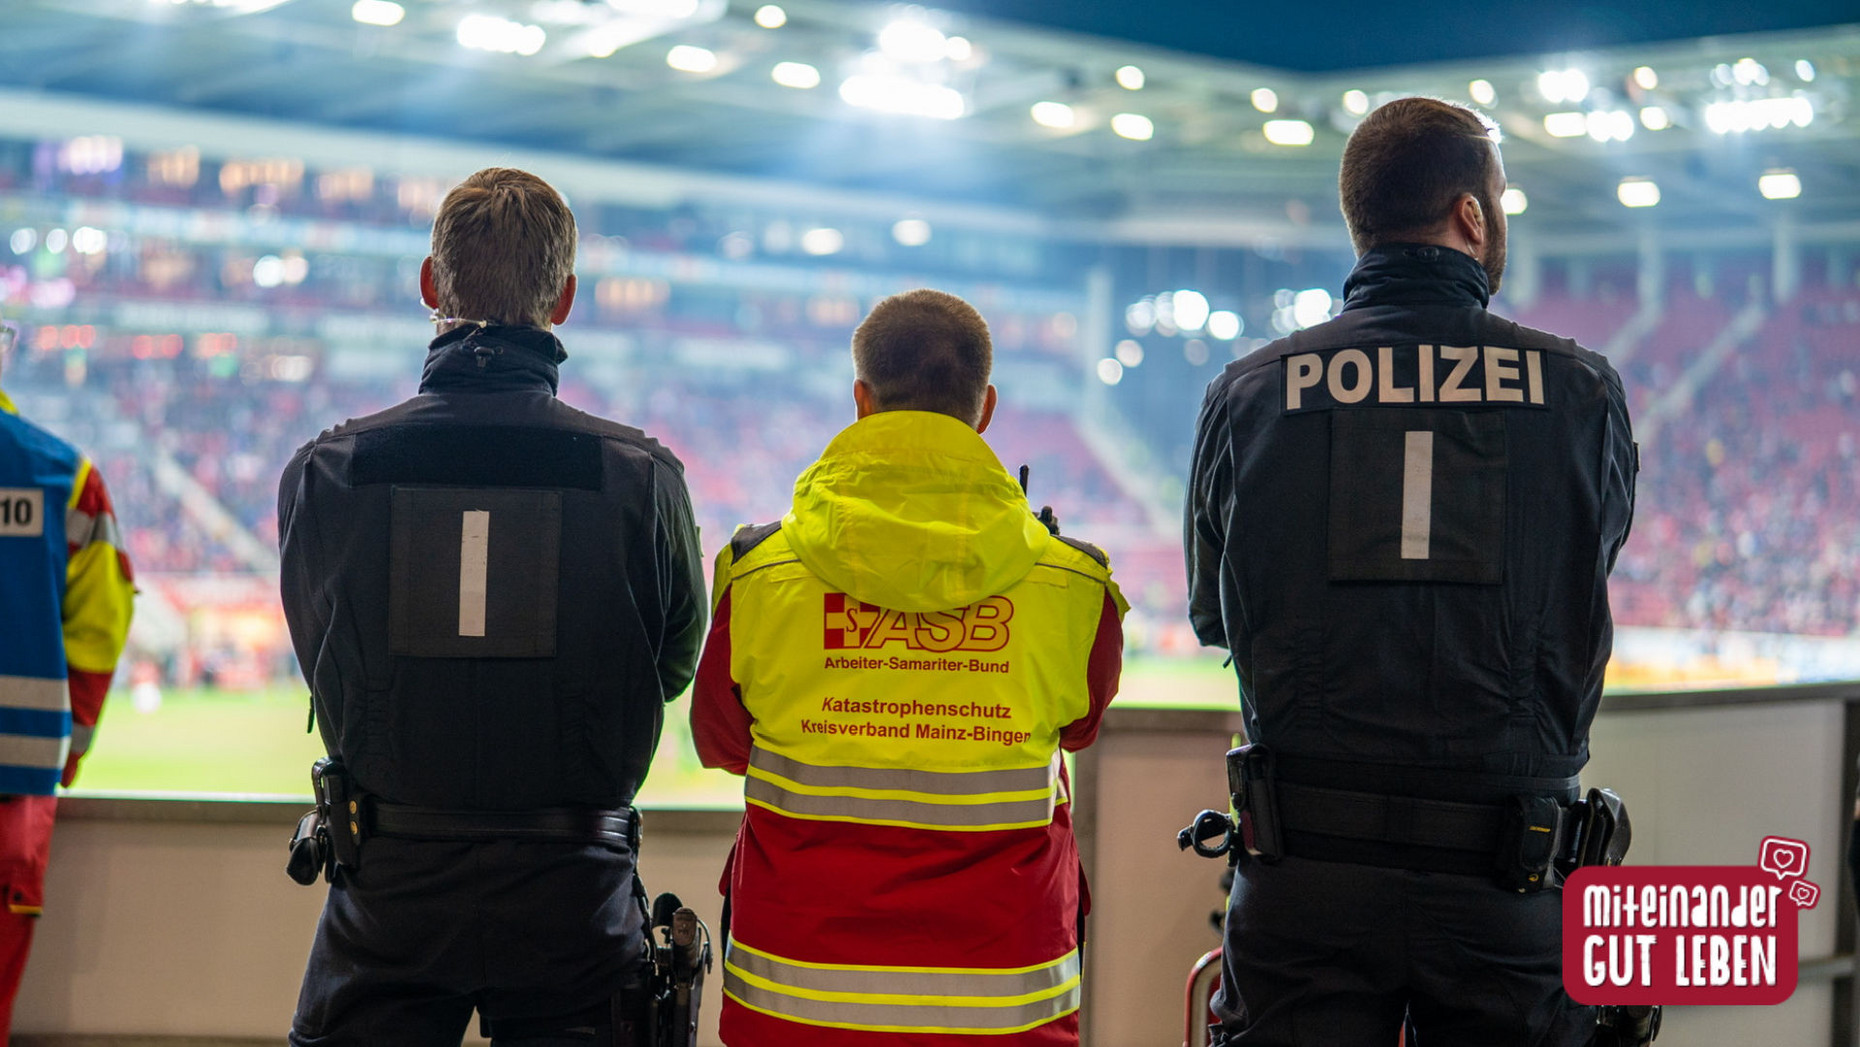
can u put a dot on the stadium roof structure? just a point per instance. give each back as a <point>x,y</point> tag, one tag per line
<point>1229,134</point>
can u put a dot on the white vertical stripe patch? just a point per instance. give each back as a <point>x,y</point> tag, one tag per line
<point>1417,495</point>
<point>474,563</point>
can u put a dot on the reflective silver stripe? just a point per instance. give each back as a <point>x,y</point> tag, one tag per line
<point>80,738</point>
<point>83,529</point>
<point>33,692</point>
<point>1417,494</point>
<point>872,981</point>
<point>942,783</point>
<point>903,1000</point>
<point>907,812</point>
<point>21,750</point>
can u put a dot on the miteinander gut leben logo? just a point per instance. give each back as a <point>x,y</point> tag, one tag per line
<point>851,624</point>
<point>1687,934</point>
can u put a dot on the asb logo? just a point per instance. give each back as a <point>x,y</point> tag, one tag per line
<point>853,625</point>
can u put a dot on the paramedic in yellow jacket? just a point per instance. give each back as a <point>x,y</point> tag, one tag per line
<point>895,667</point>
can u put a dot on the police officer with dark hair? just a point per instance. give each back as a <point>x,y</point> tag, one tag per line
<point>1401,522</point>
<point>493,596</point>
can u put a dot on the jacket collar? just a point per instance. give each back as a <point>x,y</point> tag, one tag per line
<point>485,359</point>
<point>1416,273</point>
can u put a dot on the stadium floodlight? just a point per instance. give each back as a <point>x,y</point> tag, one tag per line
<point>1110,371</point>
<point>1289,132</point>
<point>1514,201</point>
<point>1139,316</point>
<point>1758,114</point>
<point>1605,125</point>
<point>1265,99</point>
<point>87,239</point>
<point>1224,324</point>
<point>1566,125</point>
<point>1563,85</point>
<point>1646,77</point>
<point>377,12</point>
<point>500,35</point>
<point>1129,352</point>
<point>1482,92</point>
<point>911,232</point>
<point>1355,102</point>
<point>1311,307</point>
<point>1134,126</point>
<point>824,240</point>
<point>1056,115</point>
<point>1805,70</point>
<point>688,59</point>
<point>1130,78</point>
<point>1638,192</point>
<point>1750,72</point>
<point>959,49</point>
<point>888,93</point>
<point>1655,118</point>
<point>23,240</point>
<point>798,75</point>
<point>1190,309</point>
<point>771,16</point>
<point>913,40</point>
<point>1775,184</point>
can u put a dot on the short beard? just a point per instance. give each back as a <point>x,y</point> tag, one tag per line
<point>1494,260</point>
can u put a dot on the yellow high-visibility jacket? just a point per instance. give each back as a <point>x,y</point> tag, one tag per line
<point>895,668</point>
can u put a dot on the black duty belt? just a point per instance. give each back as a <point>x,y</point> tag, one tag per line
<point>1378,818</point>
<point>616,826</point>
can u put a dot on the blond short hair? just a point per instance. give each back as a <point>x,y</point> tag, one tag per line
<point>925,350</point>
<point>503,248</point>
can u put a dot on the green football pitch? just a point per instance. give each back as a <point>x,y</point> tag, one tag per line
<point>254,743</point>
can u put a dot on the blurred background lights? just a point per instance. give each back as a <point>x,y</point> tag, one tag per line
<point>1289,132</point>
<point>1355,102</point>
<point>1056,115</point>
<point>1758,114</point>
<point>88,240</point>
<point>1139,316</point>
<point>913,40</point>
<point>1130,78</point>
<point>824,240</point>
<point>1110,372</point>
<point>1655,118</point>
<point>1134,126</point>
<point>897,94</point>
<point>56,240</point>
<point>377,12</point>
<point>1129,352</point>
<point>911,232</point>
<point>1311,307</point>
<point>1482,92</point>
<point>268,271</point>
<point>1805,70</point>
<point>1563,85</point>
<point>500,35</point>
<point>959,49</point>
<point>1266,100</point>
<point>1646,77</point>
<point>1190,309</point>
<point>1750,72</point>
<point>1779,184</point>
<point>770,16</point>
<point>1566,125</point>
<point>798,75</point>
<point>1606,125</point>
<point>1638,192</point>
<point>689,59</point>
<point>1514,201</point>
<point>1225,325</point>
<point>23,240</point>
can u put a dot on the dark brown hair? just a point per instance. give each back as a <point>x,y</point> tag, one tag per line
<point>925,350</point>
<point>1407,162</point>
<point>503,247</point>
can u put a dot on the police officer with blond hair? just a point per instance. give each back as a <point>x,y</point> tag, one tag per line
<point>1401,523</point>
<point>493,595</point>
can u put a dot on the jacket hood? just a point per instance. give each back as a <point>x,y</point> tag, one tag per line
<point>912,511</point>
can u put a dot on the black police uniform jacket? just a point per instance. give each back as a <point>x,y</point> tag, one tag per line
<point>1401,523</point>
<point>492,594</point>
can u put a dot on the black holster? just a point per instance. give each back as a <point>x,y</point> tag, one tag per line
<point>1253,788</point>
<point>330,834</point>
